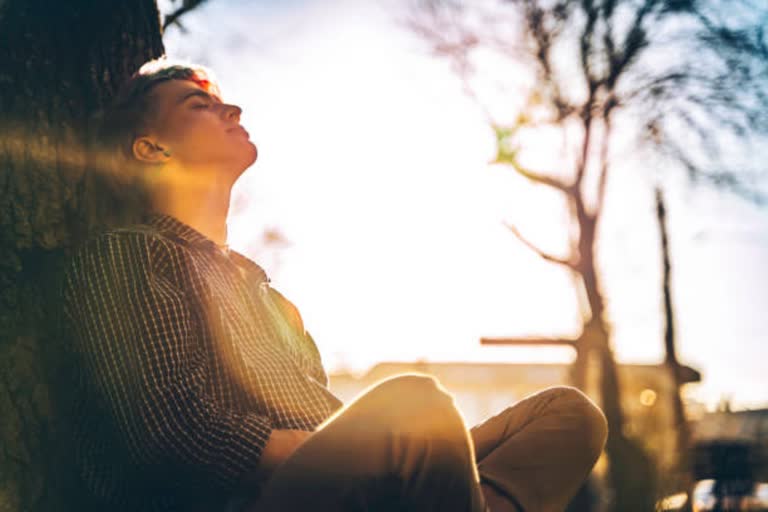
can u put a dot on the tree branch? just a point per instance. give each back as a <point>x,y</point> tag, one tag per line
<point>723,179</point>
<point>635,41</point>
<point>544,255</point>
<point>586,45</point>
<point>648,88</point>
<point>508,155</point>
<point>540,178</point>
<point>542,36</point>
<point>603,166</point>
<point>186,6</point>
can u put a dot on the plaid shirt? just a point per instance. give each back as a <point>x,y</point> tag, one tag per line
<point>186,359</point>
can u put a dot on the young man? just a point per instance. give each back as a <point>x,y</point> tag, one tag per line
<point>199,389</point>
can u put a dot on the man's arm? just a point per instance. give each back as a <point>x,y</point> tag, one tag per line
<point>291,315</point>
<point>140,350</point>
<point>281,445</point>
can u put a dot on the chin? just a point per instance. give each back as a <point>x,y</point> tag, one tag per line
<point>248,157</point>
<point>255,152</point>
<point>238,158</point>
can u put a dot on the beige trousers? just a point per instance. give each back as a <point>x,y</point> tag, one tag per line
<point>403,446</point>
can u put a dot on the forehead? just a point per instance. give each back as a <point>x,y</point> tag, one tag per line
<point>175,91</point>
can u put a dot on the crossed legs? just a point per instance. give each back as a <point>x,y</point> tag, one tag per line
<point>403,446</point>
<point>539,451</point>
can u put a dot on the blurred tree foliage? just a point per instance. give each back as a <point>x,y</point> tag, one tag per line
<point>682,81</point>
<point>59,63</point>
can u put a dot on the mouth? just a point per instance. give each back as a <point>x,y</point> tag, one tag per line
<point>239,130</point>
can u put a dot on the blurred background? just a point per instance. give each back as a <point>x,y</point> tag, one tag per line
<point>378,207</point>
<point>509,194</point>
<point>462,187</point>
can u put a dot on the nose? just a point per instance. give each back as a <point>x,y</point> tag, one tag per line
<point>232,113</point>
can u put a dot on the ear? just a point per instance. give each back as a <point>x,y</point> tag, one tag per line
<point>148,151</point>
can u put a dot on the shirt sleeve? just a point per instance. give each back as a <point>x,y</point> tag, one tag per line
<point>139,346</point>
<point>292,316</point>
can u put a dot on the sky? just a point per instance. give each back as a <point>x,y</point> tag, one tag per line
<point>374,166</point>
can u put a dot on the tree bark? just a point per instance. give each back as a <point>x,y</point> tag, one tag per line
<point>670,351</point>
<point>59,62</point>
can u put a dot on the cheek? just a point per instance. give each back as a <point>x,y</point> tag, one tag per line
<point>194,136</point>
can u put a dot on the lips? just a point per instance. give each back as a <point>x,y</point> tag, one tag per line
<point>240,130</point>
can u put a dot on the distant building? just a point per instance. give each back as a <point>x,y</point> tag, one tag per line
<point>737,426</point>
<point>749,427</point>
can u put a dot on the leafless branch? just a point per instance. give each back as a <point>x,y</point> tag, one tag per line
<point>541,179</point>
<point>586,47</point>
<point>544,255</point>
<point>721,178</point>
<point>633,44</point>
<point>648,87</point>
<point>605,144</point>
<point>186,6</point>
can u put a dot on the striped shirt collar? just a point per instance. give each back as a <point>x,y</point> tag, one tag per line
<point>172,227</point>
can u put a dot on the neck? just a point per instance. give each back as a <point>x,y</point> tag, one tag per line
<point>203,208</point>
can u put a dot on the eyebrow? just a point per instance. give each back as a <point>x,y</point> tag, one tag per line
<point>199,93</point>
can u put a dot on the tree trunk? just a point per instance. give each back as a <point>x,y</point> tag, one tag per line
<point>630,470</point>
<point>670,358</point>
<point>59,62</point>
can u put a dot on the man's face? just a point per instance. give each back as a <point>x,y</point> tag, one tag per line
<point>201,132</point>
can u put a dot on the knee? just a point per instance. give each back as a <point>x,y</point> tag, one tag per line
<point>412,389</point>
<point>590,422</point>
<point>418,404</point>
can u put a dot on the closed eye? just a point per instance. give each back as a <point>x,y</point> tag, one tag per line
<point>199,99</point>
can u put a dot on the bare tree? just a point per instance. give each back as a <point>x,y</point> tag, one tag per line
<point>682,80</point>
